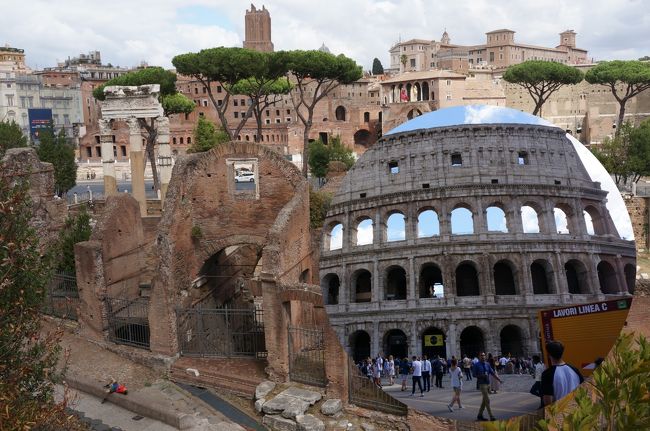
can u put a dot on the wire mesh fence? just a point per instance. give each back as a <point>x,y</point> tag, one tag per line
<point>128,321</point>
<point>62,296</point>
<point>307,356</point>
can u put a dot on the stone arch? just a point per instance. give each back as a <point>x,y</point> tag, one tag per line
<point>430,281</point>
<point>361,286</point>
<point>562,216</point>
<point>413,113</point>
<point>577,276</point>
<point>362,138</point>
<point>511,337</point>
<point>428,223</point>
<point>596,220</point>
<point>340,113</point>
<point>630,277</point>
<point>395,343</point>
<point>467,281</point>
<point>462,220</point>
<point>418,92</point>
<point>425,90</point>
<point>364,231</point>
<point>472,341</point>
<point>504,278</point>
<point>496,218</point>
<point>541,273</point>
<point>530,218</point>
<point>408,92</point>
<point>334,236</point>
<point>607,278</point>
<point>330,285</point>
<point>360,345</point>
<point>395,283</point>
<point>395,226</point>
<point>434,342</point>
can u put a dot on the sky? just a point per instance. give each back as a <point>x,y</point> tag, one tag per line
<point>127,32</point>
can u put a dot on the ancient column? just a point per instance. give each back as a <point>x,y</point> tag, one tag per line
<point>108,158</point>
<point>164,156</point>
<point>137,164</point>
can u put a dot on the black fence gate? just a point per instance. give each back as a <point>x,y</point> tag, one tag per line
<point>224,332</point>
<point>62,296</point>
<point>307,356</point>
<point>363,392</point>
<point>128,321</point>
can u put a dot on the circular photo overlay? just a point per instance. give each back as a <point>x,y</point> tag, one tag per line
<point>463,243</point>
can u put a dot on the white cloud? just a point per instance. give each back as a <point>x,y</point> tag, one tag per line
<point>364,232</point>
<point>561,222</point>
<point>529,220</point>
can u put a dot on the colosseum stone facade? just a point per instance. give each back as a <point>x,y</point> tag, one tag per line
<point>447,238</point>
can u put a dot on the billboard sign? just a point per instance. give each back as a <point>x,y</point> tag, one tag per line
<point>39,119</point>
<point>588,331</point>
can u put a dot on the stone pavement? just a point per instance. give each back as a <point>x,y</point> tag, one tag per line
<point>513,398</point>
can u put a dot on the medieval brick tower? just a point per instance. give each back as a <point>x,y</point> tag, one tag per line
<point>258,30</point>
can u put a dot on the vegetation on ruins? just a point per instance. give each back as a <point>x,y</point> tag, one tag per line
<point>319,203</point>
<point>171,100</point>
<point>225,67</point>
<point>377,68</point>
<point>626,156</point>
<point>317,74</point>
<point>542,78</point>
<point>403,59</point>
<point>625,79</point>
<point>54,148</point>
<point>11,137</point>
<point>321,155</point>
<point>206,136</point>
<point>76,229</point>
<point>27,357</point>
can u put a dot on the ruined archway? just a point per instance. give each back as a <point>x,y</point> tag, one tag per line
<point>541,272</point>
<point>433,342</point>
<point>330,287</point>
<point>504,279</point>
<point>607,278</point>
<point>467,280</point>
<point>512,341</point>
<point>472,342</point>
<point>360,345</point>
<point>395,283</point>
<point>430,282</point>
<point>362,138</point>
<point>396,343</point>
<point>362,285</point>
<point>576,276</point>
<point>340,113</point>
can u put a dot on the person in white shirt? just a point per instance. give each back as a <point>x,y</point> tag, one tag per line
<point>561,378</point>
<point>426,373</point>
<point>456,384</point>
<point>538,368</point>
<point>416,367</point>
<point>390,369</point>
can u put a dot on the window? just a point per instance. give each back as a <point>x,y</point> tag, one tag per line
<point>456,159</point>
<point>449,82</point>
<point>66,119</point>
<point>522,158</point>
<point>89,152</point>
<point>236,114</point>
<point>10,99</point>
<point>366,117</point>
<point>448,96</point>
<point>277,112</point>
<point>218,88</point>
<point>205,90</point>
<point>196,90</point>
<point>180,140</point>
<point>235,102</point>
<point>98,151</point>
<point>189,140</point>
<point>491,56</point>
<point>412,62</point>
<point>393,167</point>
<point>278,120</point>
<point>123,149</point>
<point>205,103</point>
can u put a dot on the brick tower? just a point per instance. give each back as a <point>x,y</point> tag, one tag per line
<point>258,29</point>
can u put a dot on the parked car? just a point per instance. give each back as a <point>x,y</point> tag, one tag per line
<point>245,177</point>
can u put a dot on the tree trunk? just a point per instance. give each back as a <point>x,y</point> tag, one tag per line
<point>305,149</point>
<point>152,160</point>
<point>621,116</point>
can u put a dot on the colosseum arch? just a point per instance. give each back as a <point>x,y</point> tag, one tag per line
<point>472,341</point>
<point>428,223</point>
<point>360,345</point>
<point>330,285</point>
<point>496,218</point>
<point>607,278</point>
<point>530,218</point>
<point>430,280</point>
<point>563,217</point>
<point>504,278</point>
<point>361,286</point>
<point>395,283</point>
<point>334,236</point>
<point>364,230</point>
<point>395,342</point>
<point>511,341</point>
<point>362,138</point>
<point>395,226</point>
<point>577,277</point>
<point>462,220</point>
<point>597,221</point>
<point>541,272</point>
<point>467,280</point>
<point>434,342</point>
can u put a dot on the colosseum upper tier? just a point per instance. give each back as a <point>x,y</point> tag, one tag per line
<point>446,239</point>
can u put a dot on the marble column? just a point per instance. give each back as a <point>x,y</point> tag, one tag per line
<point>108,157</point>
<point>164,156</point>
<point>137,164</point>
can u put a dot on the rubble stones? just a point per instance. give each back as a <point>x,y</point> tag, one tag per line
<point>278,423</point>
<point>258,405</point>
<point>311,397</point>
<point>295,408</point>
<point>331,407</point>
<point>309,423</point>
<point>263,389</point>
<point>277,404</point>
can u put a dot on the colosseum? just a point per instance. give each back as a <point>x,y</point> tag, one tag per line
<point>449,234</point>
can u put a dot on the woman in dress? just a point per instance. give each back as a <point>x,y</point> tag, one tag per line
<point>456,375</point>
<point>494,382</point>
<point>390,369</point>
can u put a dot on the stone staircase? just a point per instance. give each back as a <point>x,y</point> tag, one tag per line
<point>237,375</point>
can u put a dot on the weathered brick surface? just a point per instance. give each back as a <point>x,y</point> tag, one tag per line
<point>637,207</point>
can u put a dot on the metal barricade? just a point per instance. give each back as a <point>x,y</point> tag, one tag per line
<point>128,321</point>
<point>307,356</point>
<point>62,296</point>
<point>363,392</point>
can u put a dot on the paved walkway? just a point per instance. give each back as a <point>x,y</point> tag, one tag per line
<point>512,400</point>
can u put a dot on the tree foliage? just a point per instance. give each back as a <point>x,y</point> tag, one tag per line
<point>171,100</point>
<point>542,78</point>
<point>206,136</point>
<point>55,148</point>
<point>11,137</point>
<point>320,156</point>
<point>625,79</point>
<point>317,74</point>
<point>319,202</point>
<point>626,156</point>
<point>76,229</point>
<point>377,68</point>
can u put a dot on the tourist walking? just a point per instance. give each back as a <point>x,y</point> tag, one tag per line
<point>483,371</point>
<point>416,369</point>
<point>456,376</point>
<point>560,378</point>
<point>404,369</point>
<point>438,370</point>
<point>494,383</point>
<point>426,373</point>
<point>376,373</point>
<point>390,369</point>
<point>536,389</point>
<point>467,368</point>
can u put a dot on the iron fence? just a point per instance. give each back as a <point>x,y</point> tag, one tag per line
<point>128,321</point>
<point>221,332</point>
<point>307,356</point>
<point>363,392</point>
<point>62,296</point>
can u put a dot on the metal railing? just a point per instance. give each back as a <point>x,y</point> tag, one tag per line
<point>363,392</point>
<point>221,332</point>
<point>307,356</point>
<point>62,296</point>
<point>128,321</point>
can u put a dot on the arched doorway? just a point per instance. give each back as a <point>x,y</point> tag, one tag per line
<point>396,344</point>
<point>467,280</point>
<point>395,287</point>
<point>576,276</point>
<point>362,137</point>
<point>471,342</point>
<point>330,287</point>
<point>362,283</point>
<point>607,278</point>
<point>360,345</point>
<point>339,113</point>
<point>433,343</point>
<point>413,113</point>
<point>542,274</point>
<point>425,91</point>
<point>431,281</point>
<point>512,341</point>
<point>504,280</point>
